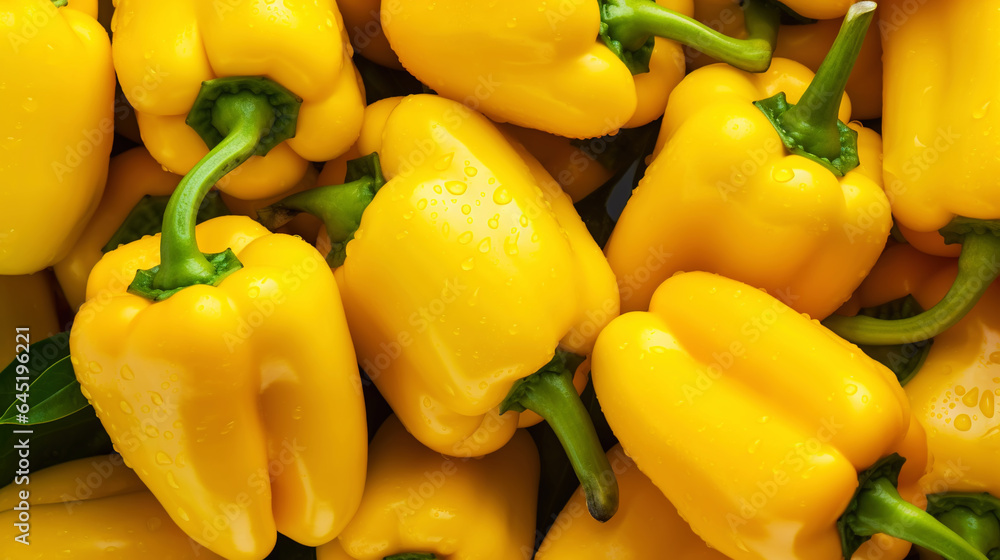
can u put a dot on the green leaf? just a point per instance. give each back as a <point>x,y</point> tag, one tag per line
<point>72,437</point>
<point>53,393</point>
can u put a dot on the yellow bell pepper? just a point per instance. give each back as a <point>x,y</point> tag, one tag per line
<point>762,462</point>
<point>956,391</point>
<point>228,380</point>
<point>364,29</point>
<point>938,172</point>
<point>646,525</point>
<point>420,504</point>
<point>88,509</point>
<point>807,44</point>
<point>164,51</point>
<point>544,66</point>
<point>26,301</point>
<point>54,141</point>
<point>133,175</point>
<point>503,281</point>
<point>725,194</point>
<point>954,394</point>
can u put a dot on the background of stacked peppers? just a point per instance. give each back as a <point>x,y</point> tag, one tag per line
<point>455,280</point>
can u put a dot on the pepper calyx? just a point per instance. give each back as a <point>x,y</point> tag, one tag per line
<point>776,106</point>
<point>339,207</point>
<point>224,264</point>
<point>635,55</point>
<point>853,533</point>
<point>960,227</point>
<point>285,104</point>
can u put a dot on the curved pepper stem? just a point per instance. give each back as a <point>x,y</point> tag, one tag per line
<point>340,207</point>
<point>811,128</point>
<point>813,121</point>
<point>238,118</point>
<point>977,269</point>
<point>60,3</point>
<point>882,510</point>
<point>878,508</point>
<point>628,26</point>
<point>550,393</point>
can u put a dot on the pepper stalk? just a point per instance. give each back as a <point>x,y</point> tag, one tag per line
<point>980,240</point>
<point>238,118</point>
<point>878,508</point>
<point>629,26</point>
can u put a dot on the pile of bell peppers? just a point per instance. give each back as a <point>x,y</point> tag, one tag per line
<point>448,280</point>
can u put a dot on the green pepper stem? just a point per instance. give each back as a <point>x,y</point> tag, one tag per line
<point>552,395</point>
<point>339,207</point>
<point>980,531</point>
<point>244,118</point>
<point>881,510</point>
<point>976,271</point>
<point>412,556</point>
<point>812,122</point>
<point>632,22</point>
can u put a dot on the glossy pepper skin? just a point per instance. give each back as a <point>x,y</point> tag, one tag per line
<point>506,293</point>
<point>762,461</point>
<point>938,165</point>
<point>494,258</point>
<point>646,526</point>
<point>131,176</point>
<point>89,509</point>
<point>574,85</point>
<point>420,502</point>
<point>207,392</point>
<point>55,147</point>
<point>807,44</point>
<point>956,391</point>
<point>724,195</point>
<point>164,51</point>
<point>27,301</point>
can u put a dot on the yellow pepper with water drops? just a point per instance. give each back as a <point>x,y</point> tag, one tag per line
<point>505,290</point>
<point>956,391</point>
<point>293,59</point>
<point>227,380</point>
<point>940,143</point>
<point>805,43</point>
<point>421,504</point>
<point>580,69</point>
<point>779,201</point>
<point>89,509</point>
<point>54,142</point>
<point>646,526</point>
<point>771,436</point>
